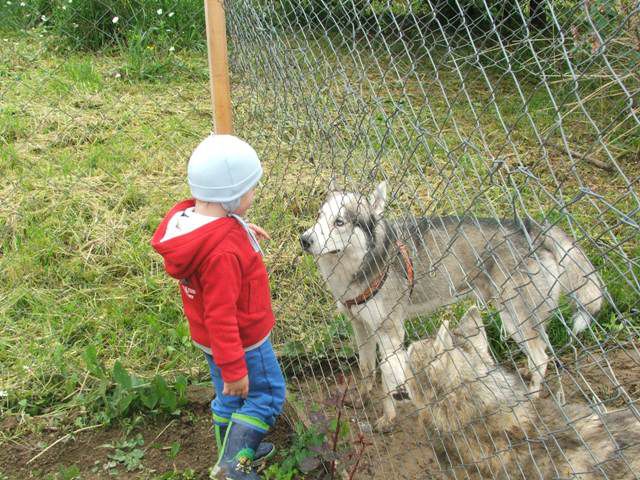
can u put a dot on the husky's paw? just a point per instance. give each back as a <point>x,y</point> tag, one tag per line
<point>383,425</point>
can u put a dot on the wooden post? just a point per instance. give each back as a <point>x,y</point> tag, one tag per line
<point>218,66</point>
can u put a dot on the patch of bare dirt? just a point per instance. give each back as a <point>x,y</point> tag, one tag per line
<point>610,376</point>
<point>403,453</point>
<point>91,451</point>
<point>406,452</point>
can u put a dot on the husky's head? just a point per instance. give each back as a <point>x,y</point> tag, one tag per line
<point>442,363</point>
<point>345,221</point>
<point>456,382</point>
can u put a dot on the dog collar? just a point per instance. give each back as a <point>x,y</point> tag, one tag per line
<point>377,283</point>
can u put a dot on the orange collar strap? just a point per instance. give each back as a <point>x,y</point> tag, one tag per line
<point>377,283</point>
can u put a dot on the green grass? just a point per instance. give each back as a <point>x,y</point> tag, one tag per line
<point>77,219</point>
<point>113,24</point>
<point>93,153</point>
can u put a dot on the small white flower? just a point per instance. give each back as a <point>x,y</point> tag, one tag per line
<point>115,19</point>
<point>43,18</point>
<point>70,1</point>
<point>22,4</point>
<point>172,49</point>
<point>117,75</point>
<point>6,39</point>
<point>159,11</point>
<point>171,14</point>
<point>75,25</point>
<point>64,7</point>
<point>4,393</point>
<point>8,3</point>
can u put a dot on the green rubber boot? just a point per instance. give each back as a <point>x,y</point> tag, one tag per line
<point>265,451</point>
<point>238,454</point>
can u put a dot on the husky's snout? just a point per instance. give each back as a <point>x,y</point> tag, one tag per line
<point>306,241</point>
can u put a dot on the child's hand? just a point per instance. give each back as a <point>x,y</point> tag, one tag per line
<point>239,388</point>
<point>260,233</point>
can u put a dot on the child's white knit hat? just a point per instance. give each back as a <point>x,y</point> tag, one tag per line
<point>222,169</point>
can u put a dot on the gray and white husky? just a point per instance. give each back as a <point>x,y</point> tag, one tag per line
<point>487,427</point>
<point>382,272</point>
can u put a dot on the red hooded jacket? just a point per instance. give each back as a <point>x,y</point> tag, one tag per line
<point>224,287</point>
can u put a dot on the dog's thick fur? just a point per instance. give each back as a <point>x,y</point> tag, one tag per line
<point>521,269</point>
<point>485,425</point>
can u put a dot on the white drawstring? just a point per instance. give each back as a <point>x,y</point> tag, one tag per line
<point>252,237</point>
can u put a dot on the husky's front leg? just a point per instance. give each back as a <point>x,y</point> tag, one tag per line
<point>393,365</point>
<point>366,344</point>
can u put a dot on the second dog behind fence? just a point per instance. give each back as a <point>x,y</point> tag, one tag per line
<point>382,272</point>
<point>487,426</point>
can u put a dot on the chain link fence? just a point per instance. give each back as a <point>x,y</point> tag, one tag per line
<point>522,112</point>
<point>493,124</point>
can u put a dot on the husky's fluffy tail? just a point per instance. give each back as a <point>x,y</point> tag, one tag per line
<point>578,278</point>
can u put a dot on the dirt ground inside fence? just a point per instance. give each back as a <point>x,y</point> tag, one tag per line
<point>406,452</point>
<point>599,376</point>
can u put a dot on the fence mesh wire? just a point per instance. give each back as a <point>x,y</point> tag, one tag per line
<point>494,124</point>
<point>524,113</point>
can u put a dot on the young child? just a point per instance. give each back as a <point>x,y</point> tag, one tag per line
<point>215,255</point>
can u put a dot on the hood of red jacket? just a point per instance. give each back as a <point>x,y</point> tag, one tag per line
<point>183,254</point>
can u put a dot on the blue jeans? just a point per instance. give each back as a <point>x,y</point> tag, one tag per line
<point>266,391</point>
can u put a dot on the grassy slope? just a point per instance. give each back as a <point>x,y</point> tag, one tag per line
<point>88,171</point>
<point>90,162</point>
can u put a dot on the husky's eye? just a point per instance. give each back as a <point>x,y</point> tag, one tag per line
<point>339,222</point>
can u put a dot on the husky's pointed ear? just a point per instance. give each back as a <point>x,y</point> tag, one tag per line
<point>472,329</point>
<point>444,340</point>
<point>378,198</point>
